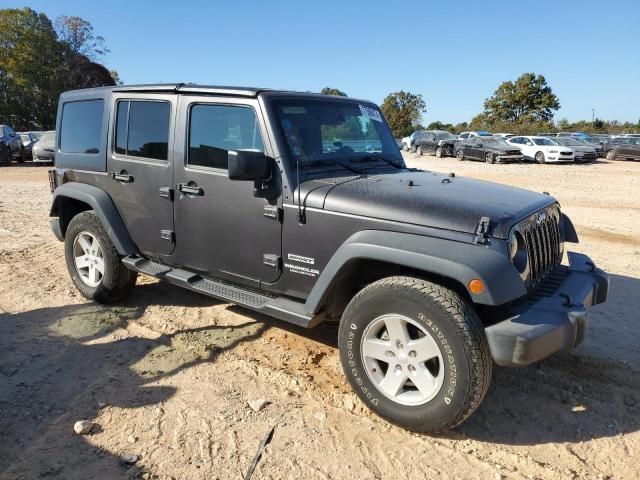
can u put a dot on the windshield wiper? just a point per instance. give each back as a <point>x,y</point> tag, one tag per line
<point>329,162</point>
<point>368,158</point>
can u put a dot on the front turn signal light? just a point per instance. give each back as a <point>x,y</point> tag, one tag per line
<point>476,286</point>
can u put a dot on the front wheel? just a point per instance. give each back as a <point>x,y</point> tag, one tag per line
<point>489,157</point>
<point>539,157</point>
<point>419,150</point>
<point>611,155</point>
<point>415,353</point>
<point>460,155</point>
<point>439,152</point>
<point>94,264</point>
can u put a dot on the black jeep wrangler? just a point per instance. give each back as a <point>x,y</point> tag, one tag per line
<point>300,206</point>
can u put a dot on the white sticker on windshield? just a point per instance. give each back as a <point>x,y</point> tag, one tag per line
<point>371,113</point>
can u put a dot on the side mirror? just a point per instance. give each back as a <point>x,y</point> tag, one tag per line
<point>248,165</point>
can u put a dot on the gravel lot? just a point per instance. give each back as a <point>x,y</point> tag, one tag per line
<point>168,376</point>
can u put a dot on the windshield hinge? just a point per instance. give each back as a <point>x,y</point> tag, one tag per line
<point>273,212</point>
<point>483,230</point>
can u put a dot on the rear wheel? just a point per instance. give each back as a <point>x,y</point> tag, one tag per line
<point>611,155</point>
<point>415,353</point>
<point>489,157</point>
<point>93,262</point>
<point>539,157</point>
<point>439,152</point>
<point>460,155</point>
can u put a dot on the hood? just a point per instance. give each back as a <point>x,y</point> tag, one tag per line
<point>503,148</point>
<point>427,199</point>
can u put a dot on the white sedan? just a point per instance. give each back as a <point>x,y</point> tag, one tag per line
<point>542,150</point>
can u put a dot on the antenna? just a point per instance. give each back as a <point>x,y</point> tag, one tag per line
<point>301,217</point>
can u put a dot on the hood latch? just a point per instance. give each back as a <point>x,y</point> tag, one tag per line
<point>483,230</point>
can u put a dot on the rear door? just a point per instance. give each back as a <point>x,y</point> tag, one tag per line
<point>222,229</point>
<point>139,168</point>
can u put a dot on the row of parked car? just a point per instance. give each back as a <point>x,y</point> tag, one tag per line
<point>23,146</point>
<point>563,147</point>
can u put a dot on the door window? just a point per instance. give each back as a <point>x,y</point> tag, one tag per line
<point>142,129</point>
<point>216,129</point>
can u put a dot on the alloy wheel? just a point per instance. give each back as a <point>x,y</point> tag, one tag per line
<point>88,259</point>
<point>402,359</point>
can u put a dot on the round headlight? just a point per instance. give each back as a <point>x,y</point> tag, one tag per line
<point>518,251</point>
<point>513,245</point>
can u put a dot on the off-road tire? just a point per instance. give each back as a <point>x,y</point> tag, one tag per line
<point>610,155</point>
<point>459,335</point>
<point>539,157</point>
<point>438,152</point>
<point>118,281</point>
<point>460,155</point>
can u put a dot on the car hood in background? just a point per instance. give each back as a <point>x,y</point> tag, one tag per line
<point>427,199</point>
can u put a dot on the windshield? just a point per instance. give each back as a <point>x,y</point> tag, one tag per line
<point>446,136</point>
<point>543,141</point>
<point>25,137</point>
<point>331,130</point>
<point>47,138</point>
<point>569,142</point>
<point>496,141</point>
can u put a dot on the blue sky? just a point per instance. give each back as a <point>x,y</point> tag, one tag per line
<point>455,55</point>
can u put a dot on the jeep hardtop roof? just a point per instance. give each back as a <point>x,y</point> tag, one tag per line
<point>251,92</point>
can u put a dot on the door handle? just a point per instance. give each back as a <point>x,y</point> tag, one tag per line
<point>122,177</point>
<point>194,190</point>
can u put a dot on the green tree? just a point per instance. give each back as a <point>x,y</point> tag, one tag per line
<point>403,111</point>
<point>36,66</point>
<point>437,125</point>
<point>333,91</point>
<point>77,34</point>
<point>529,98</point>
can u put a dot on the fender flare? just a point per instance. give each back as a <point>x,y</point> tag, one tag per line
<point>105,209</point>
<point>456,260</point>
<point>570,234</point>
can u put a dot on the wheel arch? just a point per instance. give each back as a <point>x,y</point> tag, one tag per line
<point>370,255</point>
<point>73,198</point>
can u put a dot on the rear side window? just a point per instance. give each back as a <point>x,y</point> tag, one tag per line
<point>216,129</point>
<point>142,129</point>
<point>81,126</point>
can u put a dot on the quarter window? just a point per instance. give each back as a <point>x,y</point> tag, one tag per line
<point>81,127</point>
<point>216,129</point>
<point>142,129</point>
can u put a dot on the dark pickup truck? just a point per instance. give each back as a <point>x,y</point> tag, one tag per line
<point>301,207</point>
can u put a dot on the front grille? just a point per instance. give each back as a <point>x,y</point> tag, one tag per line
<point>542,238</point>
<point>565,153</point>
<point>513,152</point>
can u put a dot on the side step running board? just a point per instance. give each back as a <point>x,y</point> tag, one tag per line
<point>278,307</point>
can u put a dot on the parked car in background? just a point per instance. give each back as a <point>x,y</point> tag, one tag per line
<point>44,149</point>
<point>504,135</point>
<point>583,151</point>
<point>629,135</point>
<point>488,149</point>
<point>405,143</point>
<point>438,142</point>
<point>28,140</point>
<point>547,135</point>
<point>627,148</point>
<point>542,149</point>
<point>479,133</point>
<point>10,145</point>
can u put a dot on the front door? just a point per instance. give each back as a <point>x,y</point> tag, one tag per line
<point>139,169</point>
<point>222,229</point>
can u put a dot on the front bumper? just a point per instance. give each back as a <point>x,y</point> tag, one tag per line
<point>42,155</point>
<point>555,321</point>
<point>557,158</point>
<point>509,158</point>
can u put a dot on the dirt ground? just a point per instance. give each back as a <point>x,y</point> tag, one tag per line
<point>167,376</point>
